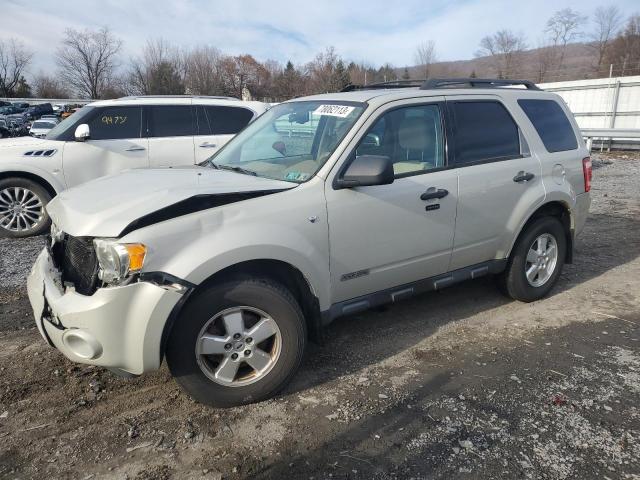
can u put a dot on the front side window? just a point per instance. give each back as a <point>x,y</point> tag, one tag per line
<point>171,121</point>
<point>484,131</point>
<point>291,141</point>
<point>551,123</point>
<point>412,137</point>
<point>113,123</point>
<point>228,120</point>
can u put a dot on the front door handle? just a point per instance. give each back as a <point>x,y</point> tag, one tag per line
<point>523,177</point>
<point>135,149</point>
<point>208,145</point>
<point>434,192</point>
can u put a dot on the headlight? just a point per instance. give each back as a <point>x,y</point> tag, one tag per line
<point>118,260</point>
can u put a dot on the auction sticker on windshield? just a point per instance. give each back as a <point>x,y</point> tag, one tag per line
<point>334,110</point>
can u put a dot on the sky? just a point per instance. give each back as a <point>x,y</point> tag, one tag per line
<point>372,31</point>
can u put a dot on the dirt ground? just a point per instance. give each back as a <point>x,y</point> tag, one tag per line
<point>462,383</point>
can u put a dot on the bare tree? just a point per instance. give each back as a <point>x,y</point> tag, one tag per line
<point>88,59</point>
<point>607,22</point>
<point>159,71</point>
<point>564,27</point>
<point>545,56</point>
<point>505,49</point>
<point>46,86</point>
<point>624,52</point>
<point>425,56</point>
<point>14,59</point>
<point>203,71</point>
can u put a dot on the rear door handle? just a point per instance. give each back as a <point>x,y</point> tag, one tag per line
<point>135,149</point>
<point>434,192</point>
<point>523,177</point>
<point>208,145</point>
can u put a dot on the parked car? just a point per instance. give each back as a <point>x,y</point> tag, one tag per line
<point>9,110</point>
<point>40,128</point>
<point>68,110</point>
<point>362,198</point>
<point>109,136</point>
<point>4,104</point>
<point>58,108</point>
<point>21,106</point>
<point>4,129</point>
<point>53,118</point>
<point>34,112</point>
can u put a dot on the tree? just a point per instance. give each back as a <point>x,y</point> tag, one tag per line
<point>607,21</point>
<point>405,74</point>
<point>46,86</point>
<point>425,56</point>
<point>564,27</point>
<point>203,71</point>
<point>505,49</point>
<point>289,83</point>
<point>340,77</point>
<point>321,71</point>
<point>14,60</point>
<point>386,73</point>
<point>23,90</point>
<point>87,60</point>
<point>158,72</point>
<point>624,52</point>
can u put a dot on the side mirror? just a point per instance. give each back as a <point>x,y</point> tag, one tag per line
<point>367,170</point>
<point>82,132</point>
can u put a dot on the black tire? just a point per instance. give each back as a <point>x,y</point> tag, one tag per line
<point>43,223</point>
<point>265,295</point>
<point>513,281</point>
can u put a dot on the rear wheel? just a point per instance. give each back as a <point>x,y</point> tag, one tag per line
<point>536,261</point>
<point>22,208</point>
<point>238,342</point>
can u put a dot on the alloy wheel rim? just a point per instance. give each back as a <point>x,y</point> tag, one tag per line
<point>238,346</point>
<point>542,258</point>
<point>20,209</point>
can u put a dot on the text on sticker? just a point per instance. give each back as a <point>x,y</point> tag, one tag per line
<point>333,110</point>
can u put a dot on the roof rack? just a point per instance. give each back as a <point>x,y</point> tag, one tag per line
<point>433,83</point>
<point>383,85</point>
<point>214,97</point>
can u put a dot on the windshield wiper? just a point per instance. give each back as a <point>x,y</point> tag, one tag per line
<point>233,168</point>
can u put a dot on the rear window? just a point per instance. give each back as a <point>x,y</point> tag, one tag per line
<point>227,120</point>
<point>551,123</point>
<point>484,131</point>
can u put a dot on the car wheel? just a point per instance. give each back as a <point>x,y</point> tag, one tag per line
<point>22,208</point>
<point>237,342</point>
<point>536,261</point>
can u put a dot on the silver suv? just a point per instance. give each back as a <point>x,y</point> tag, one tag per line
<point>324,206</point>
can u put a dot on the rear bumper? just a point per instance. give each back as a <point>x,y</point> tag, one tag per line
<point>116,327</point>
<point>581,210</point>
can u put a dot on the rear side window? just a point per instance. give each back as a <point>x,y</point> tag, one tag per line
<point>203,122</point>
<point>112,123</point>
<point>551,123</point>
<point>228,120</point>
<point>171,121</point>
<point>484,131</point>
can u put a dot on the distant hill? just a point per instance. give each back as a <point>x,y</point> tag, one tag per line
<point>578,64</point>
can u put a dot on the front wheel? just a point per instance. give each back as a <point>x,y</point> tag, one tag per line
<point>22,208</point>
<point>237,342</point>
<point>536,261</point>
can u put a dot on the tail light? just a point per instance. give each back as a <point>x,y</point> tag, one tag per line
<point>588,174</point>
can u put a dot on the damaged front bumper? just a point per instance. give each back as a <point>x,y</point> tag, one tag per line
<point>116,327</point>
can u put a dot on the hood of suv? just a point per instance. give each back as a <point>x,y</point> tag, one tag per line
<point>17,142</point>
<point>107,206</point>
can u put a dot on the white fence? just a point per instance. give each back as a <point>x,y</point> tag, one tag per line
<point>603,103</point>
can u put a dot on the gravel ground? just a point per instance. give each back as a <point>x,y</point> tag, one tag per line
<point>462,383</point>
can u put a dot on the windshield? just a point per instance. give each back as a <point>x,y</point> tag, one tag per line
<point>289,142</point>
<point>59,132</point>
